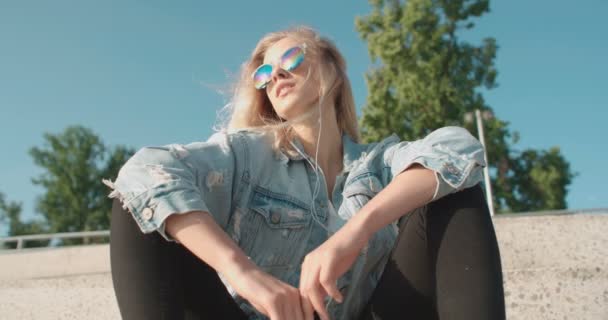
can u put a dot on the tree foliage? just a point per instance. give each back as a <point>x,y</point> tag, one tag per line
<point>10,216</point>
<point>75,161</point>
<point>423,72</point>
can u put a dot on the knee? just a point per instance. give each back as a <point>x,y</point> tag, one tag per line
<point>472,197</point>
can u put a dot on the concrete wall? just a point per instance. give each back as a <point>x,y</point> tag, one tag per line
<point>555,267</point>
<point>63,283</point>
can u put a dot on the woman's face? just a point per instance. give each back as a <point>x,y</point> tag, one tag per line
<point>290,92</point>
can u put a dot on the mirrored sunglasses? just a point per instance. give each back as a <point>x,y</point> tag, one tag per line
<point>290,60</point>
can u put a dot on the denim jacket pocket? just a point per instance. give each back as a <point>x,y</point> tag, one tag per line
<point>277,229</point>
<point>279,213</point>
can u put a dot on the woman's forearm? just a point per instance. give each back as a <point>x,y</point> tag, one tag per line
<point>198,232</point>
<point>409,190</point>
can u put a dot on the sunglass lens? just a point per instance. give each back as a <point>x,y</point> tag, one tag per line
<point>261,76</point>
<point>292,58</point>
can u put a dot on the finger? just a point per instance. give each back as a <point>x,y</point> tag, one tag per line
<point>297,306</point>
<point>304,273</point>
<point>316,298</point>
<point>330,285</point>
<point>281,309</point>
<point>307,308</point>
<point>287,311</point>
<point>305,285</point>
<point>316,294</point>
<point>274,315</point>
<point>260,308</point>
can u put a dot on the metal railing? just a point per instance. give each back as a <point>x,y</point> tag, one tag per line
<point>106,233</point>
<point>51,236</point>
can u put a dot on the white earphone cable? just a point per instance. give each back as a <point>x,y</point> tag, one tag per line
<point>315,167</point>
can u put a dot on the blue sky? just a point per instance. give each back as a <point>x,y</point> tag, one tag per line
<point>144,73</point>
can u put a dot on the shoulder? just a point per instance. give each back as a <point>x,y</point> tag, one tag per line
<point>248,143</point>
<point>220,147</point>
<point>254,149</point>
<point>450,133</point>
<point>247,137</point>
<point>388,141</point>
<point>235,142</point>
<point>377,149</point>
<point>444,135</point>
<point>363,158</point>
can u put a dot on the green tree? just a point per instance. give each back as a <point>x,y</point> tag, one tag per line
<point>75,161</point>
<point>10,216</point>
<point>429,77</point>
<point>539,181</point>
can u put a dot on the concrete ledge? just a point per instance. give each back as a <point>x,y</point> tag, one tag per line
<point>89,296</point>
<point>58,262</point>
<point>562,241</point>
<point>578,293</point>
<point>555,266</point>
<point>61,283</point>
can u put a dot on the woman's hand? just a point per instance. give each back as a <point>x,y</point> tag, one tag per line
<point>269,295</point>
<point>198,232</point>
<point>323,266</point>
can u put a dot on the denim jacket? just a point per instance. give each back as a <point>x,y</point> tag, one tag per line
<point>263,199</point>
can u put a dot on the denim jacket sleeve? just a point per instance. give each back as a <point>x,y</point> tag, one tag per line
<point>162,180</point>
<point>452,152</point>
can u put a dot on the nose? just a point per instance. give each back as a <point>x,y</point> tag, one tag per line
<point>278,73</point>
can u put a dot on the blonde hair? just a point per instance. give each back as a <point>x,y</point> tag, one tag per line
<point>251,109</point>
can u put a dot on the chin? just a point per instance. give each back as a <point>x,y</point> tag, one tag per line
<point>292,106</point>
<point>286,108</point>
<point>288,114</point>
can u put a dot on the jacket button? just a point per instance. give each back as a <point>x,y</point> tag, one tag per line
<point>147,214</point>
<point>275,217</point>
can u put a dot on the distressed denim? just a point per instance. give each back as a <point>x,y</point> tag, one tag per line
<point>265,201</point>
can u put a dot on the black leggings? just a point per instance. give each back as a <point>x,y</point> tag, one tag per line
<point>445,265</point>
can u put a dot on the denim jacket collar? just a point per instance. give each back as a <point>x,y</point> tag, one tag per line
<point>351,151</point>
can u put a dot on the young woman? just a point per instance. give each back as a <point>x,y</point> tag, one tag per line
<point>283,214</point>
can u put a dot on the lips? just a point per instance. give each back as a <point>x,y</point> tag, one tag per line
<point>281,87</point>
